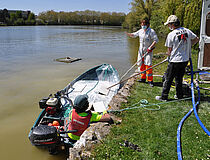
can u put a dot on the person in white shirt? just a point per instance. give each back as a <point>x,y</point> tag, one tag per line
<point>179,43</point>
<point>147,39</point>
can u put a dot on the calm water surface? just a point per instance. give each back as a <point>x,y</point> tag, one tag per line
<point>28,72</point>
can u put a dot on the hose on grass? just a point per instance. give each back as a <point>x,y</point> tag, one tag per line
<point>179,149</point>
<point>193,101</point>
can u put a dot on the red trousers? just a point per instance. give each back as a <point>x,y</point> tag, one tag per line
<point>147,74</point>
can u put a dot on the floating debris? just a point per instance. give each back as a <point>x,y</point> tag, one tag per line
<point>67,59</point>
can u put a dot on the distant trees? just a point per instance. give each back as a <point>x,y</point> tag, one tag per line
<point>188,11</point>
<point>140,9</point>
<point>86,17</point>
<point>17,17</point>
<point>4,16</point>
<point>31,20</point>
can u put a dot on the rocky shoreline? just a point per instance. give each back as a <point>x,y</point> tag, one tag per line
<point>97,131</point>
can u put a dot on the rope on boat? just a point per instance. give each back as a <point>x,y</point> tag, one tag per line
<point>104,78</point>
<point>93,87</point>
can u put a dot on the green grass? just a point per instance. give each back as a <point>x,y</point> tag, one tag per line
<point>155,131</point>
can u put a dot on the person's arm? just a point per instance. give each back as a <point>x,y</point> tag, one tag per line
<point>96,117</point>
<point>151,47</point>
<point>194,41</point>
<point>105,118</point>
<point>169,44</point>
<point>133,35</point>
<point>129,34</point>
<point>153,44</point>
<point>168,53</point>
<point>155,40</point>
<point>194,38</point>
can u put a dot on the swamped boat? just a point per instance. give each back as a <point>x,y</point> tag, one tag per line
<point>50,128</point>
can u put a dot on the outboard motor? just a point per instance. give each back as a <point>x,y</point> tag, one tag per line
<point>44,135</point>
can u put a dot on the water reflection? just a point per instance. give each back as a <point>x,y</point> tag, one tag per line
<point>133,45</point>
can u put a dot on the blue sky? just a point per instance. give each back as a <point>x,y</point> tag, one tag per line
<point>37,6</point>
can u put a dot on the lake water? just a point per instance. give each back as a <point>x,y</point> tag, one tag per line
<point>28,72</point>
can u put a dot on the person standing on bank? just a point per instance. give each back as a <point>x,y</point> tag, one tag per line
<point>147,39</point>
<point>179,43</point>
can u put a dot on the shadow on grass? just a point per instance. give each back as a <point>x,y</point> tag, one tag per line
<point>204,98</point>
<point>158,84</point>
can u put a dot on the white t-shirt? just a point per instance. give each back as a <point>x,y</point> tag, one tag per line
<point>181,49</point>
<point>145,38</point>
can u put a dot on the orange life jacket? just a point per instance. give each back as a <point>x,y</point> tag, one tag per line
<point>79,123</point>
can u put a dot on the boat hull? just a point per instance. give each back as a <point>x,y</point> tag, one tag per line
<point>94,83</point>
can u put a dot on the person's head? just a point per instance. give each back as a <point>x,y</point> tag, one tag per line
<point>81,103</point>
<point>145,23</point>
<point>172,22</point>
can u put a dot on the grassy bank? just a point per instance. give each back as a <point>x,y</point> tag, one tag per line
<point>155,131</point>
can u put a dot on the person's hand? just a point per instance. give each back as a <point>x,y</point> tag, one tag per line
<point>104,112</point>
<point>149,50</point>
<point>129,34</point>
<point>168,54</point>
<point>111,121</point>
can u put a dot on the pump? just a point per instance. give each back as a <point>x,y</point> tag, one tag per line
<point>51,105</point>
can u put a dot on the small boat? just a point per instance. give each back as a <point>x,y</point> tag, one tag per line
<point>50,128</point>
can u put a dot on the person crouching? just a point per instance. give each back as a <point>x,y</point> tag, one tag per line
<point>80,117</point>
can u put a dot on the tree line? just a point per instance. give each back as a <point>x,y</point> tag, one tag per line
<point>17,18</point>
<point>157,11</point>
<point>86,17</point>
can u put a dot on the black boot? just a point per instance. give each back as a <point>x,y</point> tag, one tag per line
<point>151,84</point>
<point>142,80</point>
